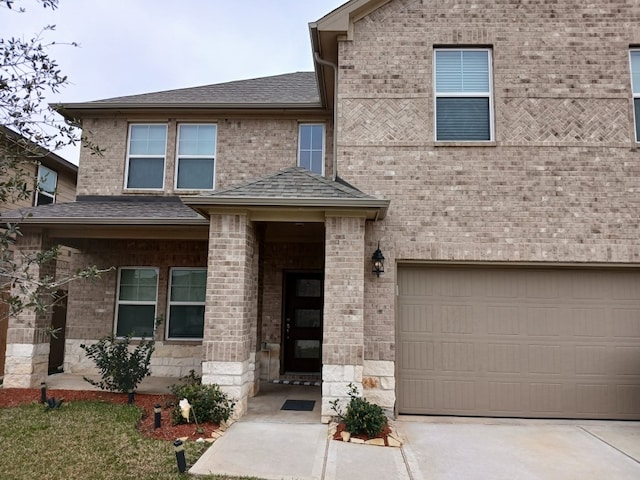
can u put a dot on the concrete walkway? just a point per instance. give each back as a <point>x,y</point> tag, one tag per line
<point>434,449</point>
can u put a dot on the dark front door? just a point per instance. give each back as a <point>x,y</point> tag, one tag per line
<point>303,322</point>
<point>59,323</point>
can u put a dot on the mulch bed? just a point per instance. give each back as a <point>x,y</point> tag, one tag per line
<point>386,431</point>
<point>12,397</point>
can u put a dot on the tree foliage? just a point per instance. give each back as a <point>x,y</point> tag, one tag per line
<point>29,129</point>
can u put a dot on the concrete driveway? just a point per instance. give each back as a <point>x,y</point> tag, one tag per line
<point>440,448</point>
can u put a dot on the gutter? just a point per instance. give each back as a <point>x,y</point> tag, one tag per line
<point>316,57</point>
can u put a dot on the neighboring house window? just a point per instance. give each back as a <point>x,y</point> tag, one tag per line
<point>196,157</point>
<point>137,297</point>
<point>463,95</point>
<point>635,85</point>
<point>187,290</point>
<point>147,148</point>
<point>311,147</point>
<point>46,188</point>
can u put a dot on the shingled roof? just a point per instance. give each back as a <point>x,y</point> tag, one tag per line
<point>109,210</point>
<point>293,187</point>
<point>292,89</point>
<point>293,182</point>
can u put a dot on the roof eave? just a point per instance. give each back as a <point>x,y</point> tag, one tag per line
<point>78,110</point>
<point>373,208</point>
<point>121,221</point>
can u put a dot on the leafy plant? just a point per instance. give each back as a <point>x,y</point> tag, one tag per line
<point>208,402</point>
<point>121,368</point>
<point>361,416</point>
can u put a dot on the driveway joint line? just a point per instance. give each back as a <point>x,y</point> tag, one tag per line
<point>326,456</point>
<point>406,463</point>
<point>607,443</point>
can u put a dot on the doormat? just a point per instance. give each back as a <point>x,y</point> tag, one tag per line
<point>299,405</point>
<point>306,383</point>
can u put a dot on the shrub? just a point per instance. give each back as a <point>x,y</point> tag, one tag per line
<point>121,368</point>
<point>361,416</point>
<point>208,402</point>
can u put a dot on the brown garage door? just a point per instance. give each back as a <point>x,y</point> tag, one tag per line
<point>557,343</point>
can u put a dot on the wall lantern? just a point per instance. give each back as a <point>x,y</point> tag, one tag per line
<point>377,259</point>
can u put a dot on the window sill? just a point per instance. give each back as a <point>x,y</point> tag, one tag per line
<point>185,341</point>
<point>446,143</point>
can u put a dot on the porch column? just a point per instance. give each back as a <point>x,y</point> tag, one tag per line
<point>27,352</point>
<point>343,327</point>
<point>231,307</point>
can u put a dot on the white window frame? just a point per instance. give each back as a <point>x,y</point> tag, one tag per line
<point>634,95</point>
<point>489,94</point>
<point>171,303</point>
<point>324,141</point>
<point>164,157</point>
<point>44,193</point>
<point>203,157</point>
<point>137,302</point>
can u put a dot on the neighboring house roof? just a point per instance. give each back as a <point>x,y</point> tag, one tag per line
<point>298,89</point>
<point>104,210</point>
<point>38,153</point>
<point>293,187</point>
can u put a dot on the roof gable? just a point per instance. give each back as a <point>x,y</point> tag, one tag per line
<point>293,182</point>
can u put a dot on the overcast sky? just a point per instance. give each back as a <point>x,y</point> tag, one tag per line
<point>138,46</point>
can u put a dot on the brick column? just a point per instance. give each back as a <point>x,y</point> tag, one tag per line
<point>343,328</point>
<point>27,352</point>
<point>231,307</point>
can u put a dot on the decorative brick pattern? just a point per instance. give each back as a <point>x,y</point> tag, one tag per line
<point>564,121</point>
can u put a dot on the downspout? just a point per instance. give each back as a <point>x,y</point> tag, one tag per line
<point>326,63</point>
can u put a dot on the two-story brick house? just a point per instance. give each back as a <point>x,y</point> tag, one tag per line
<point>488,149</point>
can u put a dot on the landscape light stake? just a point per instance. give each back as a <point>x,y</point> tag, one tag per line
<point>43,392</point>
<point>157,416</point>
<point>182,462</point>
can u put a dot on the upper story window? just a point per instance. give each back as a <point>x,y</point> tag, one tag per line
<point>195,168</point>
<point>463,96</point>
<point>46,187</point>
<point>311,147</point>
<point>137,298</point>
<point>187,292</point>
<point>145,160</point>
<point>635,87</point>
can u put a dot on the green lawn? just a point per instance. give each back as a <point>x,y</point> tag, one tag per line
<point>85,440</point>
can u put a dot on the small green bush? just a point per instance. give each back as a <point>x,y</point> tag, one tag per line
<point>361,416</point>
<point>208,402</point>
<point>120,368</point>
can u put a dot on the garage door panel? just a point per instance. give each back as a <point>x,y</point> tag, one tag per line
<point>590,322</point>
<point>504,358</point>
<point>626,322</point>
<point>503,320</point>
<point>417,355</point>
<point>417,318</point>
<point>519,342</point>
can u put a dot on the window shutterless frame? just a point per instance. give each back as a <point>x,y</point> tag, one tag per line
<point>46,186</point>
<point>146,156</point>
<point>634,68</point>
<point>311,146</point>
<point>136,302</point>
<point>196,145</point>
<point>186,303</point>
<point>463,95</point>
